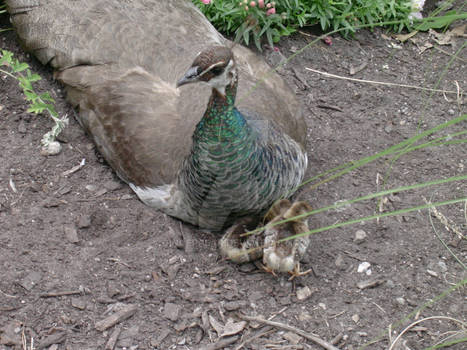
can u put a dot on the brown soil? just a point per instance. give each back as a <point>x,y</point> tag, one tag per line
<point>88,234</point>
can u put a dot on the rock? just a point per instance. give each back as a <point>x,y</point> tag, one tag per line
<point>78,303</point>
<point>339,262</point>
<point>363,267</point>
<point>304,293</point>
<point>91,188</point>
<point>172,311</point>
<point>84,221</point>
<point>10,334</point>
<point>30,281</point>
<point>355,318</point>
<point>432,273</point>
<point>22,127</point>
<point>127,337</point>
<point>360,236</point>
<point>442,266</point>
<point>71,233</point>
<point>400,301</point>
<point>112,185</point>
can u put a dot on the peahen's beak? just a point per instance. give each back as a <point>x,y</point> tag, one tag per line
<point>191,76</point>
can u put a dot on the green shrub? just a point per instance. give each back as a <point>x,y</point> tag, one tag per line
<point>239,17</point>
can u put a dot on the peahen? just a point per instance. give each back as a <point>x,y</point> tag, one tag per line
<point>206,156</point>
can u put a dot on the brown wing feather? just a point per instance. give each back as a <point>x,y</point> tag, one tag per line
<point>120,61</point>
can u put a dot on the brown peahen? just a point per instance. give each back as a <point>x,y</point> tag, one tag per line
<point>206,156</point>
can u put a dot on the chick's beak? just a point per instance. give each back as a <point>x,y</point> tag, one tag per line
<point>190,76</point>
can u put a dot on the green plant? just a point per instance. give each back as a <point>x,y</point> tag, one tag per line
<point>254,19</point>
<point>38,103</point>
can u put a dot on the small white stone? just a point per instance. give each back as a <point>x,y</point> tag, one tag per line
<point>355,318</point>
<point>304,293</point>
<point>400,300</point>
<point>432,273</point>
<point>442,266</point>
<point>322,305</point>
<point>51,149</point>
<point>360,236</point>
<point>363,266</point>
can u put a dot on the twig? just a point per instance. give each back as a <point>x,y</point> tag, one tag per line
<point>379,82</point>
<point>117,317</point>
<point>8,295</point>
<point>334,108</point>
<point>220,344</point>
<point>75,168</point>
<point>110,345</point>
<point>337,339</point>
<point>266,330</point>
<point>425,319</point>
<point>61,294</point>
<point>312,337</point>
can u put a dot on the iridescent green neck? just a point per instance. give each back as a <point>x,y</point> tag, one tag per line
<point>221,121</point>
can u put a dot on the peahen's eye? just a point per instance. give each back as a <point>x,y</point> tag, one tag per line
<point>217,70</point>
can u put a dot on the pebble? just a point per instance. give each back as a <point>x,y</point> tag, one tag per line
<point>442,266</point>
<point>78,303</point>
<point>360,236</point>
<point>355,318</point>
<point>71,234</point>
<point>91,188</point>
<point>363,267</point>
<point>172,311</point>
<point>112,185</point>
<point>22,127</point>
<point>451,111</point>
<point>84,221</point>
<point>432,273</point>
<point>304,293</point>
<point>400,301</point>
<point>390,283</point>
<point>30,280</point>
<point>339,262</point>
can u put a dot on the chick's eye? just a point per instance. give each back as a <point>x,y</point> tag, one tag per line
<point>217,70</point>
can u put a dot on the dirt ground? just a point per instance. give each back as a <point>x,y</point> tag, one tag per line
<point>74,249</point>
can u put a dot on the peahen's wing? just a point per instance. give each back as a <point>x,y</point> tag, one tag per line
<point>120,60</point>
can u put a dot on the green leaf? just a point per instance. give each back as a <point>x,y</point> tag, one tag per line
<point>441,21</point>
<point>46,97</point>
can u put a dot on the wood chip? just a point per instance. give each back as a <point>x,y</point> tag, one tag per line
<point>56,338</point>
<point>126,312</point>
<point>354,70</point>
<point>110,345</point>
<point>221,344</point>
<point>369,283</point>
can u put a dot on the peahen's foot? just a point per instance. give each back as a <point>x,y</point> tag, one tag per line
<point>296,272</point>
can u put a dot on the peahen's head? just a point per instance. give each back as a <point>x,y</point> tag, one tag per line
<point>214,66</point>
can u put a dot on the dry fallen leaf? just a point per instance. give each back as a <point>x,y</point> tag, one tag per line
<point>230,328</point>
<point>405,37</point>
